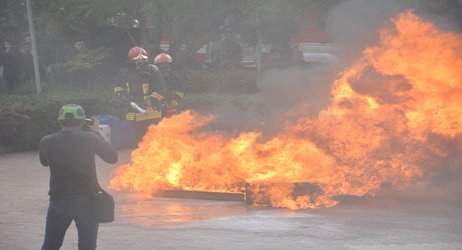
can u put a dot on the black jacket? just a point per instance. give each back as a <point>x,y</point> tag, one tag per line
<point>173,85</point>
<point>71,158</point>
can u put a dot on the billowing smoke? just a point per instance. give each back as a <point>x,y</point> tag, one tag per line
<point>354,25</point>
<point>280,91</point>
<point>284,89</point>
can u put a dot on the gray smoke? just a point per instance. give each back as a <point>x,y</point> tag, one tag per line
<point>285,89</point>
<point>281,90</point>
<point>355,24</point>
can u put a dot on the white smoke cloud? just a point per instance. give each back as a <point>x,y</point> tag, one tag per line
<point>355,24</point>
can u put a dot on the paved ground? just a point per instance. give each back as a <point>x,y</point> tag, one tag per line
<point>405,221</point>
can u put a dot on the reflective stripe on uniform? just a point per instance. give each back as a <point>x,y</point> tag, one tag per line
<point>118,89</point>
<point>128,86</point>
<point>157,96</point>
<point>145,87</point>
<point>154,114</point>
<point>179,94</point>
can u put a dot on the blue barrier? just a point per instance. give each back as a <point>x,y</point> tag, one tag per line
<point>120,131</point>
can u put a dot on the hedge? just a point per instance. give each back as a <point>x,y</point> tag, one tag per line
<point>24,119</point>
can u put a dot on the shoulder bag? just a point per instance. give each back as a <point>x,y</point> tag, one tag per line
<point>103,206</point>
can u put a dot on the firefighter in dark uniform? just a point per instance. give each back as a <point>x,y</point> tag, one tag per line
<point>173,84</point>
<point>142,87</point>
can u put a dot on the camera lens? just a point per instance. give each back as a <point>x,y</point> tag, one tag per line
<point>89,121</point>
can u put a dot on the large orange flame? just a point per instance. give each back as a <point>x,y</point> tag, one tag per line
<point>373,137</point>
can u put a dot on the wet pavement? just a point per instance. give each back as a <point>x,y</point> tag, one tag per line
<point>411,220</point>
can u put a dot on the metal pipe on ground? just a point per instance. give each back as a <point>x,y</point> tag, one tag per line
<point>253,193</point>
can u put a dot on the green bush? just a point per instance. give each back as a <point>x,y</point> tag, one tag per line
<point>24,119</point>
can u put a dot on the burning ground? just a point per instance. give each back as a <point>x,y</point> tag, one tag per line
<point>395,116</point>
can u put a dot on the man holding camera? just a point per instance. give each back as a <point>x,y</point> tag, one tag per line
<point>70,154</point>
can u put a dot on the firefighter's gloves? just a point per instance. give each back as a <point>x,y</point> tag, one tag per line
<point>136,107</point>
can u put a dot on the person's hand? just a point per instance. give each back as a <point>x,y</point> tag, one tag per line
<point>173,103</point>
<point>95,126</point>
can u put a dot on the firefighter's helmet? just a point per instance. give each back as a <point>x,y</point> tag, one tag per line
<point>163,58</point>
<point>137,54</point>
<point>71,111</point>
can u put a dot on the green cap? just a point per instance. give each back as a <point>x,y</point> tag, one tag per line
<point>71,111</point>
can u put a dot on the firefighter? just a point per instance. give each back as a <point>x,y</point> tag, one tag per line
<point>142,87</point>
<point>173,84</point>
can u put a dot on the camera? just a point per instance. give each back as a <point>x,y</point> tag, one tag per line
<point>89,121</point>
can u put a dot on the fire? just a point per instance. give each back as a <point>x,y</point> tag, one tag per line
<point>372,138</point>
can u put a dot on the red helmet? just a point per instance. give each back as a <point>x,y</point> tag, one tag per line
<point>137,53</point>
<point>163,58</point>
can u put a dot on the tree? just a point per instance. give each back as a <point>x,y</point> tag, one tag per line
<point>189,24</point>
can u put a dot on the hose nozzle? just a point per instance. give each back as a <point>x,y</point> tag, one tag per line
<point>136,107</point>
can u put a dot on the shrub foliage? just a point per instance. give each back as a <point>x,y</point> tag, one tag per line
<point>24,119</point>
